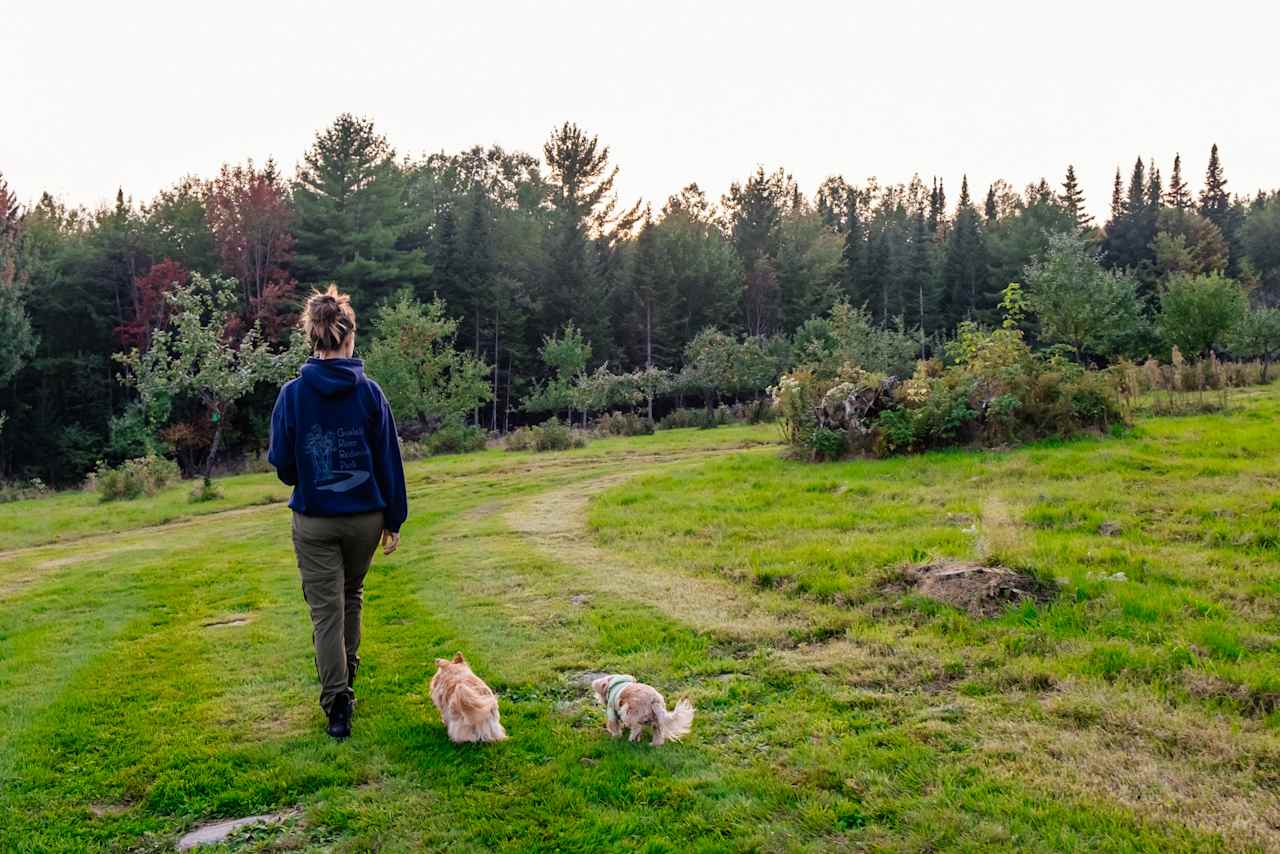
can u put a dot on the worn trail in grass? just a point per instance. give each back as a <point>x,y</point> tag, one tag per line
<point>162,677</point>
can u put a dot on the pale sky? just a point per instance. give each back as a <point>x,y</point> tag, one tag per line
<point>137,93</point>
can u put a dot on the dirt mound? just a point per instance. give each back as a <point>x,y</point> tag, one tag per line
<point>983,591</point>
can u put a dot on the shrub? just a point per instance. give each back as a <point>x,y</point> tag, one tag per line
<point>132,478</point>
<point>624,424</point>
<point>205,490</point>
<point>679,419</point>
<point>997,392</point>
<point>827,444</point>
<point>19,490</point>
<point>455,438</point>
<point>551,435</point>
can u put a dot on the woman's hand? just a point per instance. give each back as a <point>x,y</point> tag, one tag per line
<point>390,541</point>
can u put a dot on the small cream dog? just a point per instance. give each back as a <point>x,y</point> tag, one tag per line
<point>467,706</point>
<point>635,705</point>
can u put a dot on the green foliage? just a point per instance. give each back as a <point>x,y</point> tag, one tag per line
<point>1255,335</point>
<point>453,437</point>
<point>551,435</point>
<point>205,490</point>
<point>1186,242</point>
<point>1077,302</point>
<point>1260,240</point>
<point>17,340</point>
<point>412,356</point>
<point>827,444</point>
<point>192,357</point>
<point>996,391</point>
<point>1197,311</point>
<point>718,364</point>
<point>20,490</point>
<point>566,353</point>
<point>624,424</point>
<point>131,435</point>
<point>848,336</point>
<point>133,478</point>
<point>349,216</point>
<point>684,418</point>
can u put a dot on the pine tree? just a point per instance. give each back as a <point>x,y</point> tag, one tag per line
<point>1072,199</point>
<point>853,257</point>
<point>937,220</point>
<point>965,273</point>
<point>446,279</point>
<point>922,294</point>
<point>1117,198</point>
<point>348,215</point>
<point>1215,204</point>
<point>991,211</point>
<point>1178,196</point>
<point>1155,191</point>
<point>584,202</point>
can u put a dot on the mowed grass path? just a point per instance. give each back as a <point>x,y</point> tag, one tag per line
<point>156,669</point>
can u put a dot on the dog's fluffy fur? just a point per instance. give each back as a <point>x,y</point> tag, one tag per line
<point>640,705</point>
<point>467,706</point>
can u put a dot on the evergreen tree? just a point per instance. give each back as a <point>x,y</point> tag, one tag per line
<point>446,280</point>
<point>853,256</point>
<point>991,211</point>
<point>479,255</point>
<point>648,291</point>
<point>1117,198</point>
<point>1178,195</point>
<point>1155,192</point>
<point>1215,204</point>
<point>755,210</point>
<point>1131,232</point>
<point>580,240</point>
<point>348,214</point>
<point>921,293</point>
<point>937,210</point>
<point>965,273</point>
<point>1072,198</point>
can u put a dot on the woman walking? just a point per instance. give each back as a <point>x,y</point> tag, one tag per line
<point>334,441</point>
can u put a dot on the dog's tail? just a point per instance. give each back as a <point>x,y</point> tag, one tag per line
<point>676,724</point>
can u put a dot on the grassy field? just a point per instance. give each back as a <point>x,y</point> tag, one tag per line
<point>156,669</point>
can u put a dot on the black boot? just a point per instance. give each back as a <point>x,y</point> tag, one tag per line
<point>340,717</point>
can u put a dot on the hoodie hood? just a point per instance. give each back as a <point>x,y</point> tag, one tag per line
<point>332,377</point>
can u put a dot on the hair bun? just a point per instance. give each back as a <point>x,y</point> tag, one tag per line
<point>328,319</point>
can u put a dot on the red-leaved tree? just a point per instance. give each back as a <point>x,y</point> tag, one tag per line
<point>249,217</point>
<point>150,307</point>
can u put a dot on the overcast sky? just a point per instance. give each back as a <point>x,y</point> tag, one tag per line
<point>137,94</point>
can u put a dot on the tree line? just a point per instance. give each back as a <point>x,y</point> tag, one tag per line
<point>521,250</point>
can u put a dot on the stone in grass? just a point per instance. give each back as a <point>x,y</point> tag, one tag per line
<point>1109,529</point>
<point>983,591</point>
<point>211,834</point>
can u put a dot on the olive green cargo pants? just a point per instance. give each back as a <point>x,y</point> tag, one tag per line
<point>334,553</point>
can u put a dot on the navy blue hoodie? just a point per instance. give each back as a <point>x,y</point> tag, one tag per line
<point>334,441</point>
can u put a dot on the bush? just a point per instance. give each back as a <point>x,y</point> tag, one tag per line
<point>132,478</point>
<point>827,444</point>
<point>997,392</point>
<point>623,424</point>
<point>205,490</point>
<point>455,438</point>
<point>751,412</point>
<point>551,435</point>
<point>19,490</point>
<point>680,419</point>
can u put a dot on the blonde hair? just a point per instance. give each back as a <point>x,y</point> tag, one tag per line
<point>328,319</point>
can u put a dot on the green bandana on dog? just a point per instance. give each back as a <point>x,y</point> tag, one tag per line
<point>612,691</point>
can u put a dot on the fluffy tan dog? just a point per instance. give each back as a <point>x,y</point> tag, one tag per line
<point>634,705</point>
<point>467,706</point>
